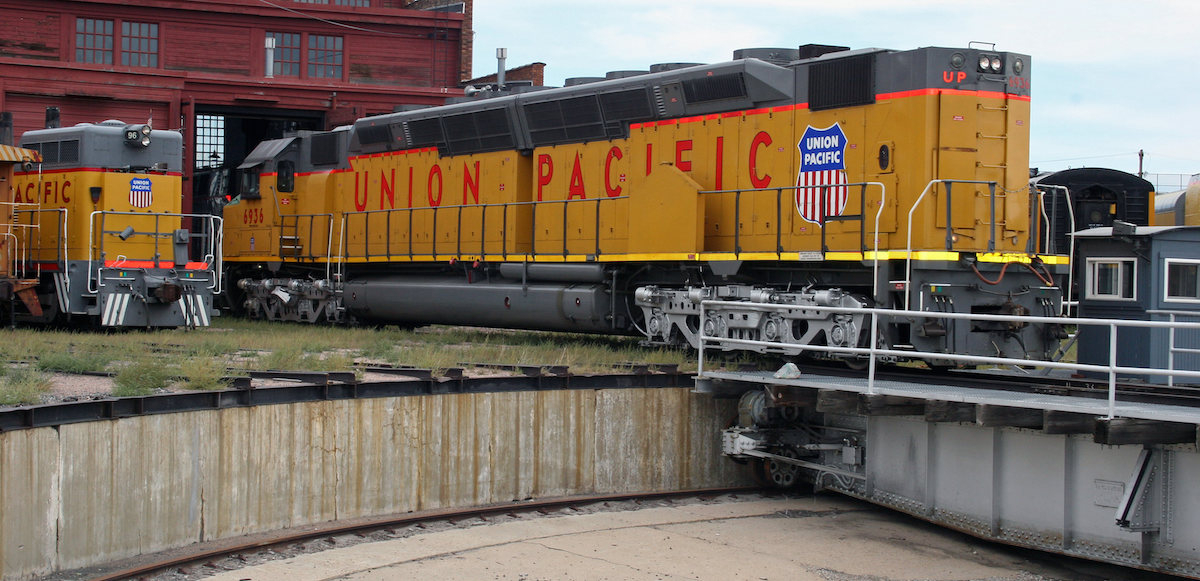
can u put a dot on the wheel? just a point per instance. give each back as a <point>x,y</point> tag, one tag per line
<point>781,474</point>
<point>856,363</point>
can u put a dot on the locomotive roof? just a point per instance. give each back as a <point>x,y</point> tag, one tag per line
<point>1084,176</point>
<point>598,110</point>
<point>605,109</point>
<point>85,144</point>
<point>265,151</point>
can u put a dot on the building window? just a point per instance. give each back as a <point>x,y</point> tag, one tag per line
<point>1183,280</point>
<point>210,141</point>
<point>139,44</point>
<point>287,54</point>
<point>324,57</point>
<point>1111,278</point>
<point>94,41</point>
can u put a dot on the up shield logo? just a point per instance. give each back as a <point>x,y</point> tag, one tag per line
<point>821,186</point>
<point>140,194</point>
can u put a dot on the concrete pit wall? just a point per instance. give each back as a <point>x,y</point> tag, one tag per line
<point>84,494</point>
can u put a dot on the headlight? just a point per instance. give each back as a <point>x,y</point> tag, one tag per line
<point>985,61</point>
<point>957,60</point>
<point>137,135</point>
<point>1019,66</point>
<point>996,64</point>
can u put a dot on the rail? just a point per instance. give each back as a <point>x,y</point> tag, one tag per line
<point>1172,348</point>
<point>1066,305</point>
<point>949,225</point>
<point>294,222</point>
<point>17,256</point>
<point>35,255</point>
<point>873,351</point>
<point>823,202</point>
<point>164,226</point>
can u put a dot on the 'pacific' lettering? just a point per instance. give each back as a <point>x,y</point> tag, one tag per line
<point>545,172</point>
<point>613,153</point>
<point>761,139</point>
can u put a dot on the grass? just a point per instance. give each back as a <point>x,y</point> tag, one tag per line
<point>72,362</point>
<point>147,361</point>
<point>142,377</point>
<point>23,386</point>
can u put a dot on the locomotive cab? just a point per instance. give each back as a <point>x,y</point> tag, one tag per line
<point>285,213</point>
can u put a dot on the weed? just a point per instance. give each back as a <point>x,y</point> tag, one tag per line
<point>202,373</point>
<point>22,386</point>
<point>141,378</point>
<point>72,362</point>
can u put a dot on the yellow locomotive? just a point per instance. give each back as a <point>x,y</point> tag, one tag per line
<point>830,178</point>
<point>101,231</point>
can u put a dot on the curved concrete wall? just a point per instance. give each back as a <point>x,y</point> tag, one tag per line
<point>85,494</point>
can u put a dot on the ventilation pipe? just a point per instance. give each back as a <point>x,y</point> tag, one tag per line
<point>501,56</point>
<point>270,46</point>
<point>6,128</point>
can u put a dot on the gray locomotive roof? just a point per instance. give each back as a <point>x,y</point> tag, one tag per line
<point>266,151</point>
<point>507,118</point>
<point>605,109</point>
<point>102,145</point>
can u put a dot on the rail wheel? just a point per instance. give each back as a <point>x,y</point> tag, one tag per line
<point>781,474</point>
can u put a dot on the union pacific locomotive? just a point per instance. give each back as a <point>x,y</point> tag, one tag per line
<point>832,177</point>
<point>98,229</point>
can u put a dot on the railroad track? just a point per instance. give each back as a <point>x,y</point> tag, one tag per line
<point>206,558</point>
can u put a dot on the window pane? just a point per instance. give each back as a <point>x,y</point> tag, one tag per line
<point>139,44</point>
<point>1106,278</point>
<point>325,56</point>
<point>93,41</point>
<point>1112,279</point>
<point>287,54</point>
<point>1182,280</point>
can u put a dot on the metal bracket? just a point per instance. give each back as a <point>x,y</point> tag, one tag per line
<point>1146,505</point>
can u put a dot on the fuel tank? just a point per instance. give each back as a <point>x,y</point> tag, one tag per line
<point>581,307</point>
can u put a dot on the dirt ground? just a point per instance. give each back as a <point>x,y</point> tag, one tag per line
<point>822,537</point>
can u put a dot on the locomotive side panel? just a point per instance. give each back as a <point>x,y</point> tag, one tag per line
<point>416,205</point>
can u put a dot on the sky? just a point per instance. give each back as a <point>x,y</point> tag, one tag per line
<point>1109,77</point>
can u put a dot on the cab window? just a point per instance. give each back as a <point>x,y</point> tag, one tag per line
<point>248,183</point>
<point>285,178</point>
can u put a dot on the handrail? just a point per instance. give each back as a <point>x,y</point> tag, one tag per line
<point>483,214</point>
<point>1112,369</point>
<point>211,231</point>
<point>1071,252</point>
<point>17,257</point>
<point>1171,348</point>
<point>949,227</point>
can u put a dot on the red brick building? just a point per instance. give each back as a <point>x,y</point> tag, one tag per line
<point>207,67</point>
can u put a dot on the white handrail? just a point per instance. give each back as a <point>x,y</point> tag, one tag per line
<point>1111,369</point>
<point>908,243</point>
<point>1071,235</point>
